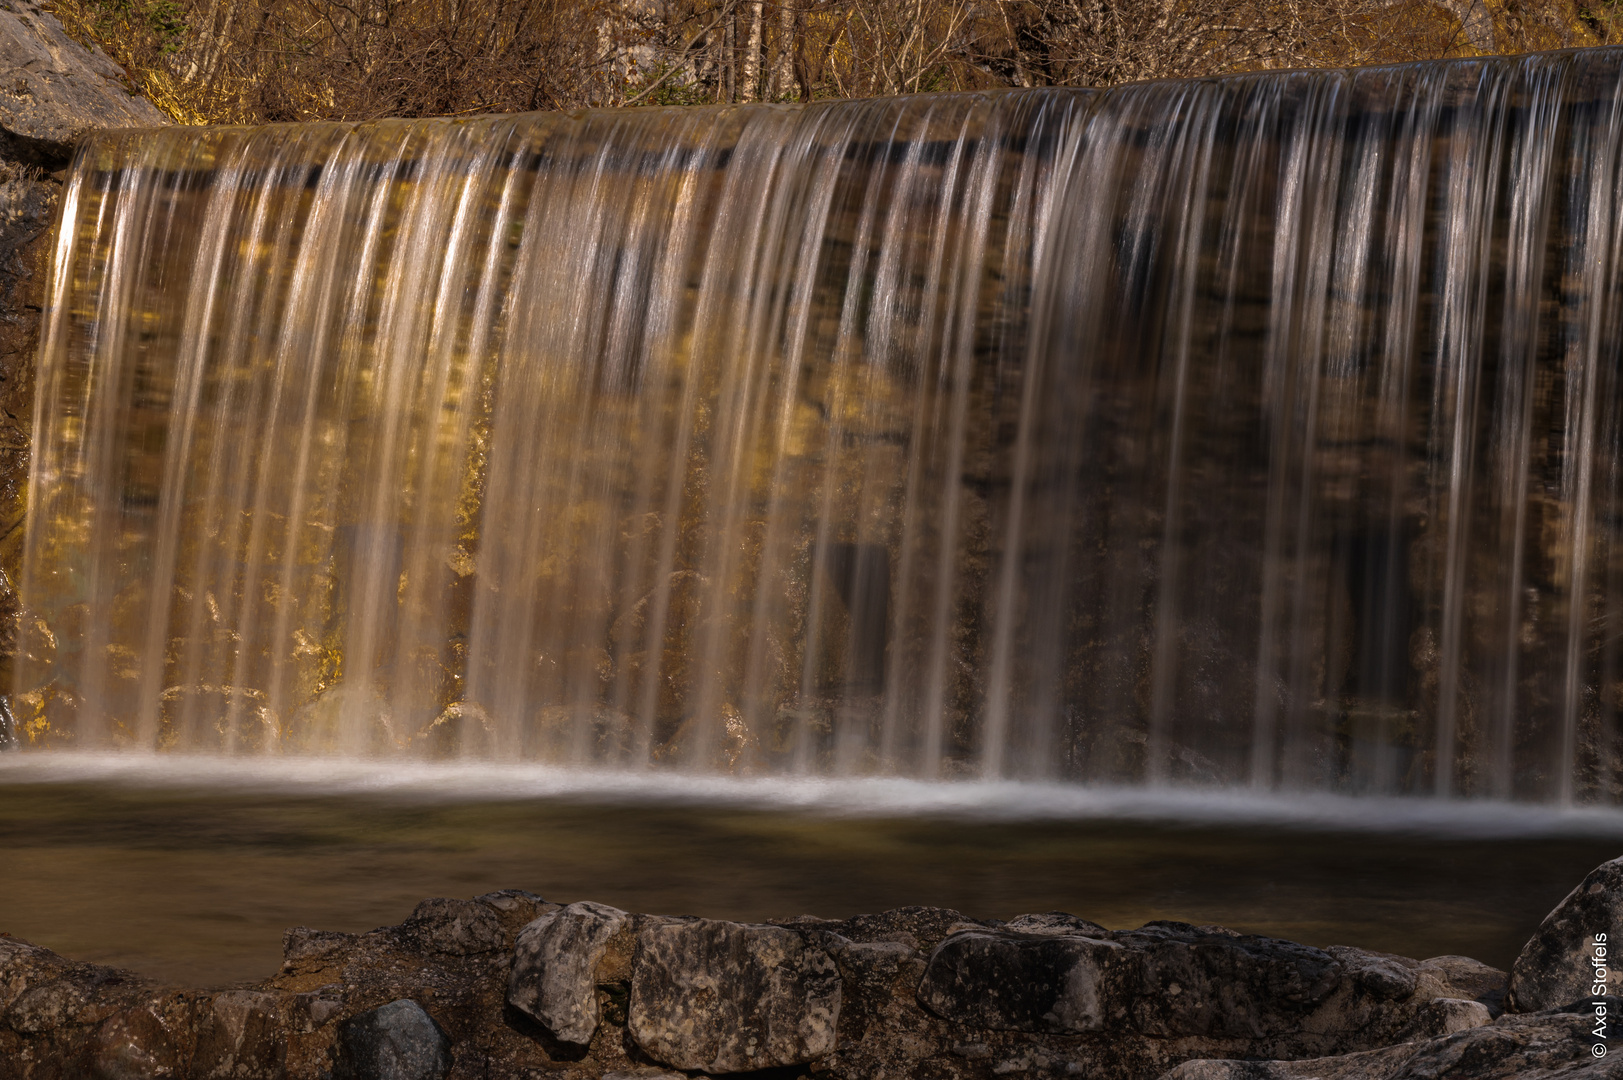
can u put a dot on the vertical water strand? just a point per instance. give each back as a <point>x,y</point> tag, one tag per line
<point>1469,183</point>
<point>1190,162</point>
<point>462,307</point>
<point>1543,86</point>
<point>803,212</point>
<point>1593,262</point>
<point>736,362</point>
<point>1041,240</point>
<point>241,405</point>
<point>901,700</point>
<point>186,384</point>
<point>312,336</point>
<point>51,504</point>
<point>1312,134</point>
<point>46,462</point>
<point>90,467</point>
<point>1402,267</point>
<point>830,385</point>
<point>1028,215</point>
<point>954,385</point>
<point>1310,732</point>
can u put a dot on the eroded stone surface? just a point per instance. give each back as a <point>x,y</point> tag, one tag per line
<point>554,976</point>
<point>731,997</point>
<point>1556,965</point>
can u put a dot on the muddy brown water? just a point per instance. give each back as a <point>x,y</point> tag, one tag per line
<point>197,884</point>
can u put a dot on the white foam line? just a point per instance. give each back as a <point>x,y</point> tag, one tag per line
<point>875,797</point>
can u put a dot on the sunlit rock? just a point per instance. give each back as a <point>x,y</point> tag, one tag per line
<point>554,977</point>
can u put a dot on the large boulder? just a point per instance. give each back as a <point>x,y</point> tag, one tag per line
<point>53,90</point>
<point>1569,955</point>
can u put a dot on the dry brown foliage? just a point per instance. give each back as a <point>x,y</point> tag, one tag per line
<point>252,61</point>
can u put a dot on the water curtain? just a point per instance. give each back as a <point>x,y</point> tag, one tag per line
<point>1259,431</point>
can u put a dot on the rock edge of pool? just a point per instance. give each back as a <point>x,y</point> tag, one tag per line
<point>508,985</point>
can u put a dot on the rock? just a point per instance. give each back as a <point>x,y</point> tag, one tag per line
<point>1055,922</point>
<point>239,1035</point>
<point>1382,976</point>
<point>397,1041</point>
<point>455,927</point>
<point>1007,981</point>
<point>1546,1045</point>
<point>1556,966</point>
<point>139,1042</point>
<point>1168,979</point>
<point>53,90</point>
<point>1213,982</point>
<point>1463,977</point>
<point>554,975</point>
<point>304,948</point>
<point>731,997</point>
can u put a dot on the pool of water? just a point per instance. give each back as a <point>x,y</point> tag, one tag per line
<point>191,869</point>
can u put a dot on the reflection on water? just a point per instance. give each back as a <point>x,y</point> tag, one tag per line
<point>197,882</point>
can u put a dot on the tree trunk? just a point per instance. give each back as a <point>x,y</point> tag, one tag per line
<point>752,55</point>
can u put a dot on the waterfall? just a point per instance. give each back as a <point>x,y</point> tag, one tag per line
<point>1259,431</point>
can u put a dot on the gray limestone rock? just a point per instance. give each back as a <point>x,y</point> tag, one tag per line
<point>728,997</point>
<point>397,1041</point>
<point>1008,981</point>
<point>53,90</point>
<point>1557,965</point>
<point>554,975</point>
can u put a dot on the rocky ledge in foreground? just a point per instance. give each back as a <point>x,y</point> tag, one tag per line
<point>507,985</point>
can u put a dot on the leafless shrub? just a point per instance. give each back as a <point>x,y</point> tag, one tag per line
<point>213,61</point>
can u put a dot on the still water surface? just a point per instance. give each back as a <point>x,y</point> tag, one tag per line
<point>195,880</point>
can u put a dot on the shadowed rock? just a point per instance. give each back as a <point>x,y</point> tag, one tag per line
<point>1030,982</point>
<point>398,1041</point>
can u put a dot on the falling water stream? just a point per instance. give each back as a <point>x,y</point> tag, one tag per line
<point>1258,432</point>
